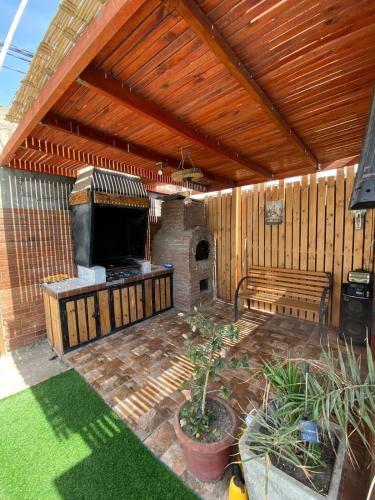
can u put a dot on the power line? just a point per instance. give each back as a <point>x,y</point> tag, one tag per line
<point>11,31</point>
<point>13,69</point>
<point>18,57</point>
<point>17,53</point>
<point>18,50</point>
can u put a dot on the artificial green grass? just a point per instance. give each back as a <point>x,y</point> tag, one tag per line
<point>60,440</point>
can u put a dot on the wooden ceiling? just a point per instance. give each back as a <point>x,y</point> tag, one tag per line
<point>254,90</point>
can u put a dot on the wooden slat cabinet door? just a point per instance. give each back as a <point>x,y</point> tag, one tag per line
<point>149,307</point>
<point>120,307</point>
<point>104,312</point>
<point>128,304</point>
<point>53,322</point>
<point>163,293</point>
<point>79,320</point>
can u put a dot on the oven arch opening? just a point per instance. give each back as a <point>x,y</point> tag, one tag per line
<point>203,250</point>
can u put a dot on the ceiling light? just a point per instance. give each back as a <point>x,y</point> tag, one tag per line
<point>161,168</point>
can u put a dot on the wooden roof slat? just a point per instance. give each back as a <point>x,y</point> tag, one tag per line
<point>81,131</point>
<point>80,158</point>
<point>198,21</point>
<point>121,94</point>
<point>37,166</point>
<point>315,61</point>
<point>109,20</point>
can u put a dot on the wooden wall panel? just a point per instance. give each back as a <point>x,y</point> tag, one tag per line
<point>317,234</point>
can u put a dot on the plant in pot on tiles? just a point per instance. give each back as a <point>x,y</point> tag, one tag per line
<point>206,425</point>
<point>295,444</point>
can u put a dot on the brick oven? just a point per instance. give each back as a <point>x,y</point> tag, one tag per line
<point>185,242</point>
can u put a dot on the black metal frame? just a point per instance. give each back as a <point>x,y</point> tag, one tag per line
<point>114,329</point>
<point>323,308</point>
<point>64,322</point>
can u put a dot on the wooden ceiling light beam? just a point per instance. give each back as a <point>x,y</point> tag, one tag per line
<point>41,167</point>
<point>83,159</point>
<point>80,131</point>
<point>191,12</point>
<point>118,92</point>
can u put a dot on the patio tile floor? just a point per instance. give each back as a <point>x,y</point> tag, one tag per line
<point>138,371</point>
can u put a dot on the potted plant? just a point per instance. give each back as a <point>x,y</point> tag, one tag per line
<point>205,424</point>
<point>294,446</point>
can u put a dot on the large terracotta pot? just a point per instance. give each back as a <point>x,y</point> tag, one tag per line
<point>207,461</point>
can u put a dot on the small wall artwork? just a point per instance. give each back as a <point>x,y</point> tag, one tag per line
<point>274,212</point>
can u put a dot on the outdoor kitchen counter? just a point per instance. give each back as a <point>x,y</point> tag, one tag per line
<point>77,286</point>
<point>78,312</point>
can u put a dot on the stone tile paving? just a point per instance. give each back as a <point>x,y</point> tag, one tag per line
<point>138,371</point>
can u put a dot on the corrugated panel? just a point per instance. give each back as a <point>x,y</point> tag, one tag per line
<point>106,181</point>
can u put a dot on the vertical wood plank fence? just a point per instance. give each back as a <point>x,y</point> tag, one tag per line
<point>317,234</point>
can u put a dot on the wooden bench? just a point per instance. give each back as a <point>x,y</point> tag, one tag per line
<point>288,288</point>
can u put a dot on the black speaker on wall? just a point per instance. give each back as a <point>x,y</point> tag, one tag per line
<point>355,313</point>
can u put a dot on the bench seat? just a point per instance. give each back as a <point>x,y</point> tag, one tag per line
<point>283,301</point>
<point>288,288</point>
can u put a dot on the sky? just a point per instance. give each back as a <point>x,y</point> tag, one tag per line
<point>34,23</point>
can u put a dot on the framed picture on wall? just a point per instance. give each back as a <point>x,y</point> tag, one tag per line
<point>274,212</point>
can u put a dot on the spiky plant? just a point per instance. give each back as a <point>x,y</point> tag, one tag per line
<point>337,390</point>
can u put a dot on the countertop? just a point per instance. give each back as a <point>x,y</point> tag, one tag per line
<point>78,286</point>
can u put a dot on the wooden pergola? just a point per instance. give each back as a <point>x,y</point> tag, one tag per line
<point>253,90</point>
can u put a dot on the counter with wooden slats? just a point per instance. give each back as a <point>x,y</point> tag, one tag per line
<point>75,320</point>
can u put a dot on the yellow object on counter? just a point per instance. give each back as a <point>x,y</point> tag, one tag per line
<point>54,278</point>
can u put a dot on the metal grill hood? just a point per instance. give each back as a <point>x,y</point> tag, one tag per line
<point>107,181</point>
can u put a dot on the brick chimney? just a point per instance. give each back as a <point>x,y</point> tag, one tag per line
<point>185,242</point>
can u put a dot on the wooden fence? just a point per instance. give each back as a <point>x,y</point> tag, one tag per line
<point>317,234</point>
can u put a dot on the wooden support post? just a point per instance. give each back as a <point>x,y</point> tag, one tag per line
<point>235,241</point>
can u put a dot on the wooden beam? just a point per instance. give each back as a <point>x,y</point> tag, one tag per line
<point>82,159</point>
<point>191,12</point>
<point>40,167</point>
<point>80,131</point>
<point>110,19</point>
<point>118,92</point>
<point>297,172</point>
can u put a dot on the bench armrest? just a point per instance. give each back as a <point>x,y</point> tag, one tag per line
<point>236,294</point>
<point>330,281</point>
<point>322,308</point>
<point>326,291</point>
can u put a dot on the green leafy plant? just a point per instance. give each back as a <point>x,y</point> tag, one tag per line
<point>207,354</point>
<point>337,390</point>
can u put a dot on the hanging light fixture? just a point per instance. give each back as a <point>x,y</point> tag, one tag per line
<point>183,174</point>
<point>161,168</point>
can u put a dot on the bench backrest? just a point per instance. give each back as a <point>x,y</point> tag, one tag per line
<point>308,285</point>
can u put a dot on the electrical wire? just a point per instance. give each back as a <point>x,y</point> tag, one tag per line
<point>18,57</point>
<point>17,52</point>
<point>14,48</point>
<point>11,31</point>
<point>13,69</point>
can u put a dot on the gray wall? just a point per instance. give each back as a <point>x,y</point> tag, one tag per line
<point>23,189</point>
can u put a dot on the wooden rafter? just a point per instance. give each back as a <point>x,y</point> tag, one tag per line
<point>41,167</point>
<point>120,93</point>
<point>110,20</point>
<point>81,158</point>
<point>190,11</point>
<point>80,131</point>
